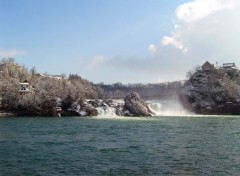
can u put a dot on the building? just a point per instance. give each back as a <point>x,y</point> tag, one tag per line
<point>24,87</point>
<point>230,66</point>
<point>207,66</point>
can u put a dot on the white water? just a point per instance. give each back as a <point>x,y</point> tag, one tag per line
<point>106,111</point>
<point>109,111</point>
<point>167,107</point>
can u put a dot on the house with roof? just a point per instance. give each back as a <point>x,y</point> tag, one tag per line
<point>207,66</point>
<point>229,66</point>
<point>24,87</point>
<point>231,70</point>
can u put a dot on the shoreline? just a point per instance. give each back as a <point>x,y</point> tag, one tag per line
<point>6,114</point>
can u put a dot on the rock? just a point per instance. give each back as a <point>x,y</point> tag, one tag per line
<point>73,110</point>
<point>132,105</point>
<point>57,111</point>
<point>204,93</point>
<point>136,106</point>
<point>107,107</point>
<point>94,103</point>
<point>89,109</point>
<point>6,114</point>
<point>74,107</point>
<point>70,113</point>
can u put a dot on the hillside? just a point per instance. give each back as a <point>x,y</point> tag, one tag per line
<point>28,93</point>
<point>213,90</point>
<point>209,90</point>
<point>43,92</point>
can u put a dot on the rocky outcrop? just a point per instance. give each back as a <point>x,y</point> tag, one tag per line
<point>136,106</point>
<point>89,110</point>
<point>108,107</point>
<point>204,93</point>
<point>85,109</point>
<point>132,105</point>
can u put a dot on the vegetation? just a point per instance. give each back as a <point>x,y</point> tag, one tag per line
<point>229,79</point>
<point>45,92</point>
<point>146,91</point>
<point>213,90</point>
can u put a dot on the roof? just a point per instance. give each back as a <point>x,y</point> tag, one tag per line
<point>208,63</point>
<point>207,66</point>
<point>229,65</point>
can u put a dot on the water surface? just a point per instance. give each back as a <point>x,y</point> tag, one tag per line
<point>120,146</point>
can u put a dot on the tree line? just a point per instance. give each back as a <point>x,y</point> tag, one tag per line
<point>47,92</point>
<point>146,91</point>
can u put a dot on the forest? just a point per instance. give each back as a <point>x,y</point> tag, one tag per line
<point>48,91</point>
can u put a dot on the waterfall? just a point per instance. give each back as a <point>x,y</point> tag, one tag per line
<point>106,111</point>
<point>109,107</point>
<point>167,107</point>
<point>163,107</point>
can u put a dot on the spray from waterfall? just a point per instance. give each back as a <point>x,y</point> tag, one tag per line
<point>167,107</point>
<point>170,106</point>
<point>109,109</point>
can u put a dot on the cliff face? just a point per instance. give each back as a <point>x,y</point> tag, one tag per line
<point>212,92</point>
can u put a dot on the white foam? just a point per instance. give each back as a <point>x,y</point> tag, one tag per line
<point>106,111</point>
<point>168,107</point>
<point>164,107</point>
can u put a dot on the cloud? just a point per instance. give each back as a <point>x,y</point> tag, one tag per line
<point>172,41</point>
<point>200,9</point>
<point>202,30</point>
<point>200,18</point>
<point>96,60</point>
<point>11,53</point>
<point>152,49</point>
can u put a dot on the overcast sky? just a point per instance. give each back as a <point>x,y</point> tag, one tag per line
<point>129,41</point>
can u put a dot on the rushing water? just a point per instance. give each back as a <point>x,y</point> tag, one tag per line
<point>120,146</point>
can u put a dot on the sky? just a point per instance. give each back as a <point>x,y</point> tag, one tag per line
<point>128,41</point>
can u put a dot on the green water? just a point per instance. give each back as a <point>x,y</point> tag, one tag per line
<point>120,146</point>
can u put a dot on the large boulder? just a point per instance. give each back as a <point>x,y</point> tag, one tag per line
<point>136,106</point>
<point>89,110</point>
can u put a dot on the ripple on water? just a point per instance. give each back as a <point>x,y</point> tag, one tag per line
<point>120,146</point>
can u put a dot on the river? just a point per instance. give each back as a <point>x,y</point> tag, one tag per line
<point>164,145</point>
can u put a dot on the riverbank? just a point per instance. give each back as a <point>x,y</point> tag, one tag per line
<point>131,105</point>
<point>6,114</point>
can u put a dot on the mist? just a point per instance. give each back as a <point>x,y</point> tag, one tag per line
<point>168,107</point>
